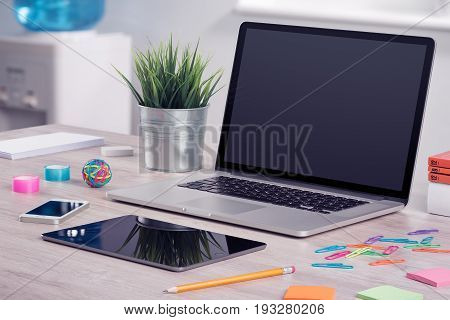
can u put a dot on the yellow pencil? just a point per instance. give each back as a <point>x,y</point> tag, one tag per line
<point>230,280</point>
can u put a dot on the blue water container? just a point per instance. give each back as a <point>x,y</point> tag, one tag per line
<point>59,15</point>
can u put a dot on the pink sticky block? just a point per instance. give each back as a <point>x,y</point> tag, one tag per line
<point>25,184</point>
<point>436,277</point>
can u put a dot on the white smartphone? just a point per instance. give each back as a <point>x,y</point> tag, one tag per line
<point>54,211</point>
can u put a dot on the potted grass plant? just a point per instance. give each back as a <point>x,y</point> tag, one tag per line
<point>173,99</point>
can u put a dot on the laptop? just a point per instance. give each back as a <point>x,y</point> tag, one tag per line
<point>320,131</point>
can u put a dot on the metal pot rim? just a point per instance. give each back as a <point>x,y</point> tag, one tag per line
<point>171,109</point>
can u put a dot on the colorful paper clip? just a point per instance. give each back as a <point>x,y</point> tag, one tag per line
<point>338,255</point>
<point>372,240</point>
<point>398,240</point>
<point>332,265</point>
<point>385,262</point>
<point>395,240</point>
<point>425,231</point>
<point>415,246</point>
<point>431,250</point>
<point>358,252</point>
<point>373,253</point>
<point>330,248</point>
<point>363,245</point>
<point>390,250</point>
<point>426,240</point>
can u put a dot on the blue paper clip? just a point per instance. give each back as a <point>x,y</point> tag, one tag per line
<point>398,240</point>
<point>426,240</point>
<point>330,248</point>
<point>331,265</point>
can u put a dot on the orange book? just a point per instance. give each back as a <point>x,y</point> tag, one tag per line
<point>440,160</point>
<point>439,178</point>
<point>439,170</point>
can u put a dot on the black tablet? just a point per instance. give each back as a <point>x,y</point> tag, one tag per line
<point>154,243</point>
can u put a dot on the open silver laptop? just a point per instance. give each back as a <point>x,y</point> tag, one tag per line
<point>320,131</point>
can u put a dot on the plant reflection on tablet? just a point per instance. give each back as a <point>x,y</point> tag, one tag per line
<point>170,244</point>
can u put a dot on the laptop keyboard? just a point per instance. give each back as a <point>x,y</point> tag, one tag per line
<point>274,194</point>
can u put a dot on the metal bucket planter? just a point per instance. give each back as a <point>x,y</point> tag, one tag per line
<point>173,138</point>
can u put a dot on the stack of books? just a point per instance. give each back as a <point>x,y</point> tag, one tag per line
<point>439,187</point>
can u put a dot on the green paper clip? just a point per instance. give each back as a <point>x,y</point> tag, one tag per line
<point>415,246</point>
<point>373,253</point>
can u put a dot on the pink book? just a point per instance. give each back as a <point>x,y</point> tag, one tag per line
<point>436,277</point>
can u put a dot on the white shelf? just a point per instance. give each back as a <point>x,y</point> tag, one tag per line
<point>415,19</point>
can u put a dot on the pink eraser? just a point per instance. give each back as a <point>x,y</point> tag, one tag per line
<point>25,184</point>
<point>436,277</point>
<point>293,269</point>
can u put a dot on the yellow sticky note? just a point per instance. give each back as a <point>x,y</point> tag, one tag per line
<point>388,293</point>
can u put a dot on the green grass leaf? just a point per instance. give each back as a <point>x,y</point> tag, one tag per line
<point>171,77</point>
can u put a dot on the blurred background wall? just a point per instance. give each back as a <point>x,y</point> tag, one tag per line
<point>216,23</point>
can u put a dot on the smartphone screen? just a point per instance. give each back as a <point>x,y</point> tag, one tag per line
<point>55,208</point>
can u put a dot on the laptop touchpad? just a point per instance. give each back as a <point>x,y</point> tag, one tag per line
<point>220,205</point>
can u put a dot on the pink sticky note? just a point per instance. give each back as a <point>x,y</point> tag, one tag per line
<point>436,277</point>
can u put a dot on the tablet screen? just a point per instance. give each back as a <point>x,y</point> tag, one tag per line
<point>156,243</point>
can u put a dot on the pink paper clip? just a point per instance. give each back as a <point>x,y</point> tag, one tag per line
<point>338,255</point>
<point>372,240</point>
<point>390,250</point>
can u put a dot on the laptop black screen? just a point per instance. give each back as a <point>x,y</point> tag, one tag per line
<point>334,107</point>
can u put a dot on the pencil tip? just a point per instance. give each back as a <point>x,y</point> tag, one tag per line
<point>165,291</point>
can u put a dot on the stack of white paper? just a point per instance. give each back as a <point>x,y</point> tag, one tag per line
<point>46,144</point>
<point>439,199</point>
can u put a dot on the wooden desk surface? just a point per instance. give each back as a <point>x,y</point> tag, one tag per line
<point>34,269</point>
